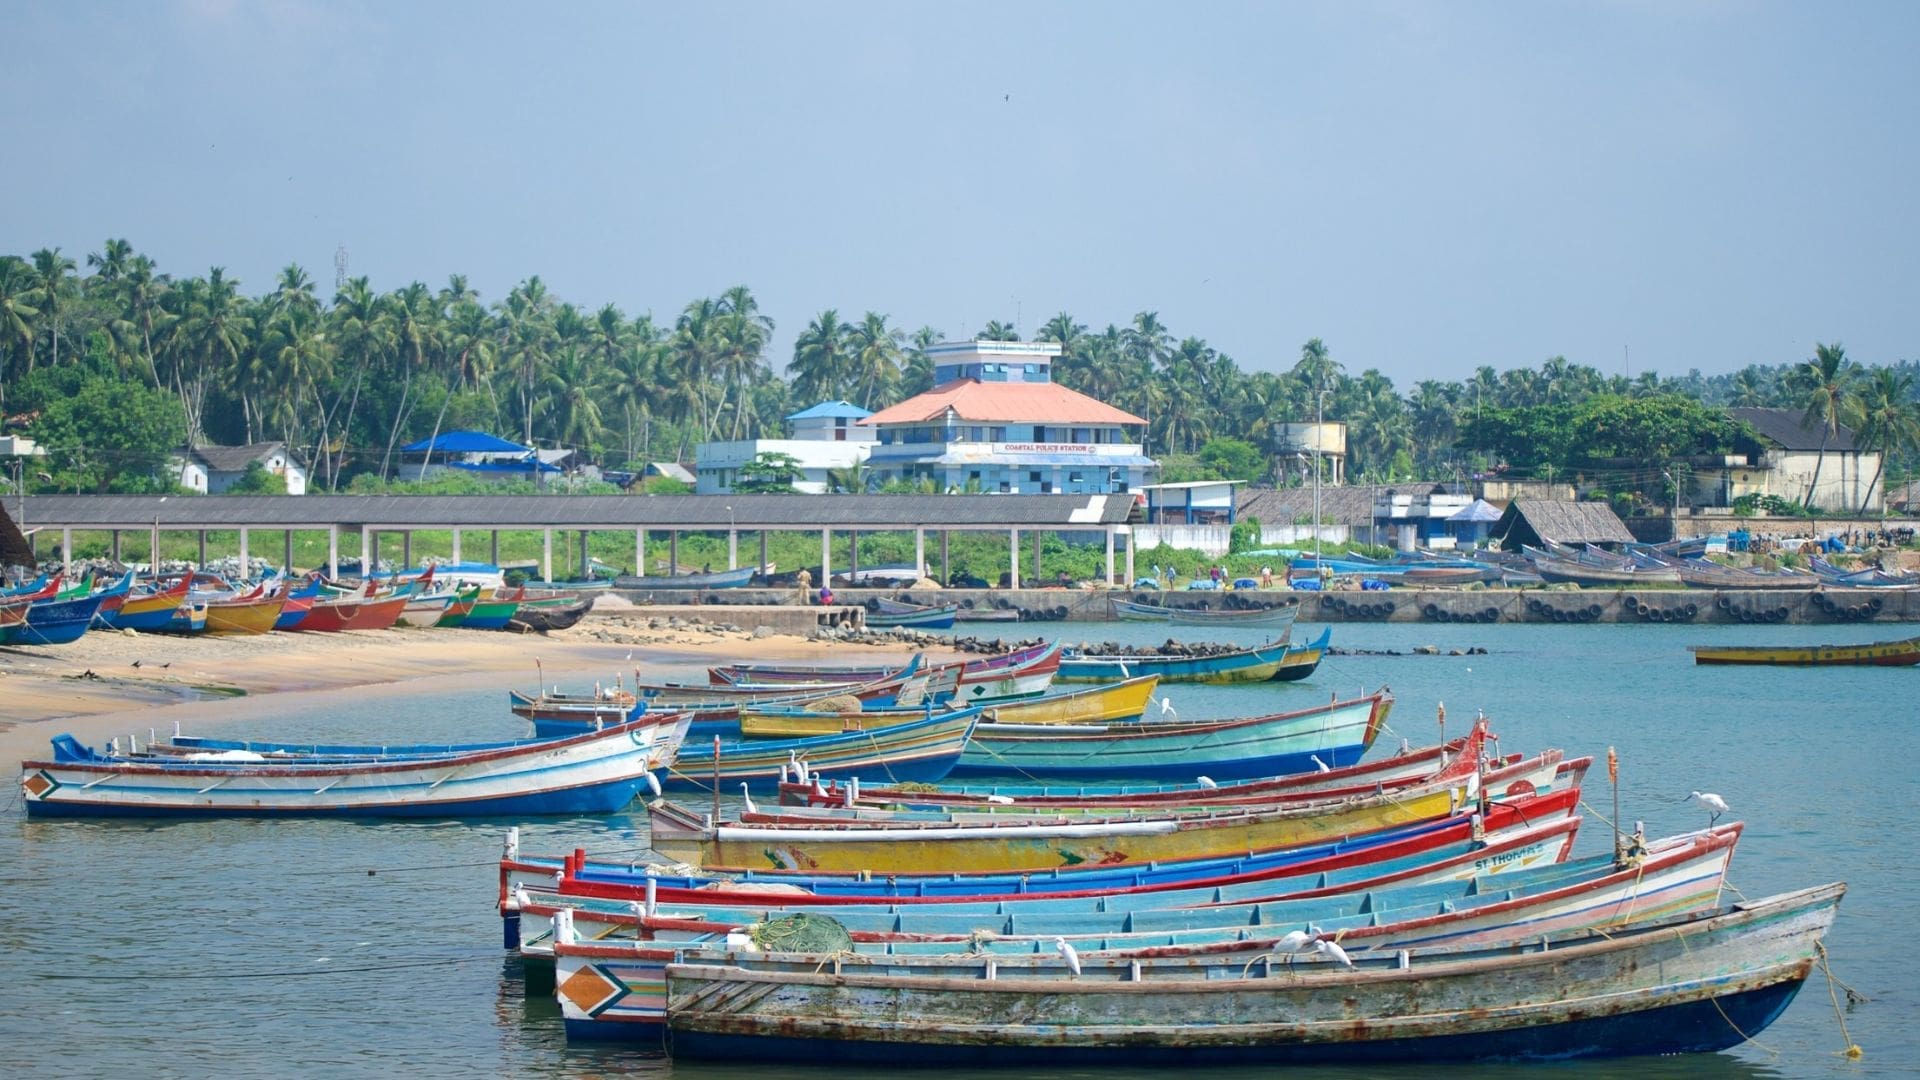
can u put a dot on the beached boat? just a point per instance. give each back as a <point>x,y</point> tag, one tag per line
<point>1703,982</point>
<point>1258,664</point>
<point>1277,619</point>
<point>681,835</point>
<point>300,600</point>
<point>1675,876</point>
<point>11,617</point>
<point>986,614</point>
<point>55,622</point>
<point>1557,571</point>
<point>595,772</point>
<point>492,612</point>
<point>717,579</point>
<point>1330,735</point>
<point>353,613</point>
<point>425,609</point>
<point>255,615</point>
<point>1903,653</point>
<point>557,613</point>
<point>147,612</point>
<point>1018,673</point>
<point>920,752</point>
<point>884,612</point>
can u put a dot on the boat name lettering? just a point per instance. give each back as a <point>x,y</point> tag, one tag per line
<point>1507,856</point>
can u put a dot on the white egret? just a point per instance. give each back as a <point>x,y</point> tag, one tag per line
<point>1066,953</point>
<point>1000,800</point>
<point>748,797</point>
<point>653,784</point>
<point>1206,782</point>
<point>1714,803</point>
<point>1318,764</point>
<point>1167,709</point>
<point>1332,951</point>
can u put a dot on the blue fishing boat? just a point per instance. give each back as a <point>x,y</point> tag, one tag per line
<point>717,579</point>
<point>57,622</point>
<point>1257,664</point>
<point>922,752</point>
<point>596,772</point>
<point>884,612</point>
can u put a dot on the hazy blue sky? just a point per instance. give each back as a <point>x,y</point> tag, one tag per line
<point>1426,186</point>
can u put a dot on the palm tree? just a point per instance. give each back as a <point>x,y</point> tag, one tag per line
<point>363,333</point>
<point>1827,380</point>
<point>820,362</point>
<point>526,313</point>
<point>18,314</point>
<point>213,337</point>
<point>1750,388</point>
<point>916,371</point>
<point>1889,421</point>
<point>570,399</point>
<point>995,330</point>
<point>111,261</point>
<point>696,350</point>
<point>743,334</point>
<point>53,277</point>
<point>874,349</point>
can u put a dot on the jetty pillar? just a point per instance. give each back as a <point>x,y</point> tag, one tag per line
<point>493,549</point>
<point>853,556</point>
<point>154,566</point>
<point>203,550</point>
<point>1013,547</point>
<point>583,556</point>
<point>546,554</point>
<point>66,549</point>
<point>369,543</point>
<point>246,564</point>
<point>673,552</point>
<point>116,545</point>
<point>1109,555</point>
<point>406,550</point>
<point>826,557</point>
<point>946,568</point>
<point>639,552</point>
<point>456,546</point>
<point>1129,581</point>
<point>733,548</point>
<point>333,550</point>
<point>920,551</point>
<point>286,553</point>
<point>763,552</point>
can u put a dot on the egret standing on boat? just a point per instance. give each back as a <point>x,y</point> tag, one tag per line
<point>1714,803</point>
<point>1066,953</point>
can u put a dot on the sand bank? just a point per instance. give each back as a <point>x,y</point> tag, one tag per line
<point>113,683</point>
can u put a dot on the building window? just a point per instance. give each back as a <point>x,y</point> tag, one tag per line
<point>1075,478</point>
<point>999,434</point>
<point>1046,487</point>
<point>1080,435</point>
<point>1005,488</point>
<point>1039,433</point>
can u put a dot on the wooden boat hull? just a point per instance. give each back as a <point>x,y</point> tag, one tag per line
<point>1692,984</point>
<point>336,615</point>
<point>424,610</point>
<point>252,617</point>
<point>932,618</point>
<point>597,772</point>
<point>1277,620</point>
<point>1094,705</point>
<point>1905,653</point>
<point>58,622</point>
<point>1021,673</point>
<point>921,752</point>
<point>1683,875</point>
<point>1249,665</point>
<point>1600,577</point>
<point>489,614</point>
<point>146,614</point>
<point>1022,846</point>
<point>1337,734</point>
<point>541,618</point>
<point>718,579</point>
<point>1301,660</point>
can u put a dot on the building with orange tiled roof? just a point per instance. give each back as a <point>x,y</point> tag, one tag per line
<point>996,421</point>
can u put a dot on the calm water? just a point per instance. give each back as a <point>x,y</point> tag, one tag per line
<point>316,948</point>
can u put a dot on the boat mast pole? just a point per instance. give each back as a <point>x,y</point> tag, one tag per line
<point>1319,435</point>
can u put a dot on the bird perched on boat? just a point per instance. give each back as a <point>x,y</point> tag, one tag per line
<point>747,795</point>
<point>1066,953</point>
<point>1318,764</point>
<point>1000,800</point>
<point>1293,943</point>
<point>1331,950</point>
<point>653,784</point>
<point>1714,803</point>
<point>1206,782</point>
<point>1167,709</point>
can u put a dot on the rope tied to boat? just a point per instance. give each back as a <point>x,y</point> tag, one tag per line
<point>1854,997</point>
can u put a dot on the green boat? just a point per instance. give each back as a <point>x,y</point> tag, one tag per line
<point>1258,664</point>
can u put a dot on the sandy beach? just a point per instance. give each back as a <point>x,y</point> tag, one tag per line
<point>110,683</point>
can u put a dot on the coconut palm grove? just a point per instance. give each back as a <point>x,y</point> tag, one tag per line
<point>110,361</point>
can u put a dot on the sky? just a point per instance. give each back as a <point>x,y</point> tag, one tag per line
<point>1428,187</point>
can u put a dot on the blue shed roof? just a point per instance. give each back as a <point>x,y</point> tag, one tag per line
<point>832,409</point>
<point>465,442</point>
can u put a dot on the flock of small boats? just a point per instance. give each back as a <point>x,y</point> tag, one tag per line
<point>956,863</point>
<point>53,611</point>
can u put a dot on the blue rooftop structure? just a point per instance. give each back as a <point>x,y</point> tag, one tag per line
<point>832,410</point>
<point>465,442</point>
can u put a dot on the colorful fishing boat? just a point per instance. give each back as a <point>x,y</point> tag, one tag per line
<point>1276,619</point>
<point>425,609</point>
<point>717,579</point>
<point>1902,653</point>
<point>457,611</point>
<point>1330,735</point>
<point>244,616</point>
<point>1300,661</point>
<point>1019,673</point>
<point>56,622</point>
<point>1671,877</point>
<point>1258,664</point>
<point>493,614</point>
<point>681,835</point>
<point>595,772</point>
<point>147,612</point>
<point>1093,705</point>
<point>884,612</point>
<point>352,613</point>
<point>554,613</point>
<point>1702,982</point>
<point>921,752</point>
<point>300,600</point>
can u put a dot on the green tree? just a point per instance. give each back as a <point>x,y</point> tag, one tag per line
<point>821,361</point>
<point>258,481</point>
<point>769,473</point>
<point>1827,382</point>
<point>111,436</point>
<point>1234,459</point>
<point>53,280</point>
<point>1889,421</point>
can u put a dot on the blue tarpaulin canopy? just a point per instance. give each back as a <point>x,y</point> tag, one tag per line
<point>465,442</point>
<point>1477,511</point>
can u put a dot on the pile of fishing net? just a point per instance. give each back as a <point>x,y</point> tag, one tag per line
<point>803,932</point>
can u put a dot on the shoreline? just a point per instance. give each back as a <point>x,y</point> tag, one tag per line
<point>108,684</point>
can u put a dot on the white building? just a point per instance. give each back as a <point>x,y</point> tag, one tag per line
<point>827,438</point>
<point>1784,462</point>
<point>211,470</point>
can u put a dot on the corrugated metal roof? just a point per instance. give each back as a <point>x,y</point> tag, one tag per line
<point>831,409</point>
<point>1004,403</point>
<point>1784,427</point>
<point>1348,504</point>
<point>577,511</point>
<point>234,458</point>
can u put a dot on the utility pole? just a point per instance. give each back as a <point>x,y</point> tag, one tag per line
<point>1319,435</point>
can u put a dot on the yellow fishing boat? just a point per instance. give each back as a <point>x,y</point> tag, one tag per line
<point>1904,653</point>
<point>1095,705</point>
<point>681,835</point>
<point>244,616</point>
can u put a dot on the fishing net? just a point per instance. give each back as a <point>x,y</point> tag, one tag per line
<point>840,703</point>
<point>803,932</point>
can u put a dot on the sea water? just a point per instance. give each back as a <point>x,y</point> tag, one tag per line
<point>327,948</point>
